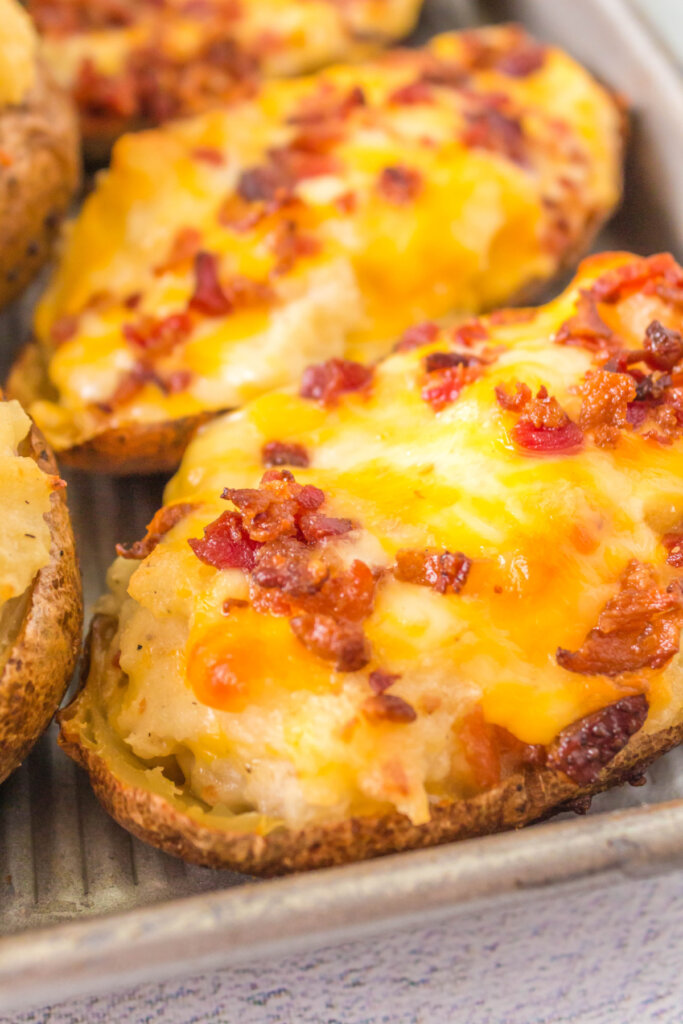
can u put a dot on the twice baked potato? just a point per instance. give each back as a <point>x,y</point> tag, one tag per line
<point>39,153</point>
<point>413,603</point>
<point>221,255</point>
<point>41,611</point>
<point>136,63</point>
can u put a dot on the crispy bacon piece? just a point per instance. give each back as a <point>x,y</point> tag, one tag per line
<point>638,628</point>
<point>209,155</point>
<point>613,285</point>
<point>315,526</point>
<point>226,544</point>
<point>380,680</point>
<point>472,330</point>
<point>673,542</point>
<point>273,510</point>
<point>284,453</point>
<point>663,347</point>
<point>583,749</point>
<point>326,108</point>
<point>440,570</point>
<point>387,707</point>
<point>157,336</point>
<point>412,94</point>
<point>544,427</point>
<point>184,247</point>
<point>492,752</point>
<point>290,245</point>
<point>587,328</point>
<point>266,183</point>
<point>164,520</point>
<point>446,381</point>
<point>334,640</point>
<point>490,129</point>
<point>209,297</point>
<point>399,185</point>
<point>288,565</point>
<point>522,62</point>
<point>416,336</point>
<point>325,382</point>
<point>604,410</point>
<point>513,402</point>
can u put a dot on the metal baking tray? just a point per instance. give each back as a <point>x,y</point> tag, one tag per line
<point>85,907</point>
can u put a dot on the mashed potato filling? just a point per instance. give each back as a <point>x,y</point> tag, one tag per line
<point>25,489</point>
<point>18,49</point>
<point>220,692</point>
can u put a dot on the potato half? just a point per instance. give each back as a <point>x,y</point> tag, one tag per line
<point>409,603</point>
<point>135,64</point>
<point>41,608</point>
<point>39,154</point>
<point>222,254</point>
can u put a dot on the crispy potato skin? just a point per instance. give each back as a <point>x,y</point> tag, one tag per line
<point>525,797</point>
<point>41,139</point>
<point>123,451</point>
<point>44,652</point>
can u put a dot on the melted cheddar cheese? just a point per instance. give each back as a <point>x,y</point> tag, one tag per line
<point>25,489</point>
<point>18,47</point>
<point>221,255</point>
<point>259,722</point>
<point>87,48</point>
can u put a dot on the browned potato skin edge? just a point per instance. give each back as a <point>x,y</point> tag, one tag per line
<point>123,451</point>
<point>35,191</point>
<point>525,797</point>
<point>43,656</point>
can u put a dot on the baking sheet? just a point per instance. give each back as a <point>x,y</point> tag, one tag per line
<point>64,863</point>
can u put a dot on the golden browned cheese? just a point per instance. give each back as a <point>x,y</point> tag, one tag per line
<point>221,255</point>
<point>508,493</point>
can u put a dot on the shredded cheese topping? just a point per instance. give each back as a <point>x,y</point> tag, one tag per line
<point>536,455</point>
<point>220,255</point>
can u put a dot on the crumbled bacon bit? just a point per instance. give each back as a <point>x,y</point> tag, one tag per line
<point>440,570</point>
<point>469,332</point>
<point>284,453</point>
<point>492,752</point>
<point>347,202</point>
<point>287,565</point>
<point>522,62</point>
<point>184,247</point>
<point>226,544</point>
<point>387,707</point>
<point>583,749</point>
<point>64,328</point>
<point>673,542</point>
<point>638,628</point>
<point>325,382</point>
<point>413,93</point>
<point>334,640</point>
<point>613,285</point>
<point>316,527</point>
<point>513,402</point>
<point>209,297</point>
<point>416,336</point>
<point>163,521</point>
<point>492,130</point>
<point>445,382</point>
<point>604,410</point>
<point>663,347</point>
<point>587,328</point>
<point>380,680</point>
<point>289,245</point>
<point>158,336</point>
<point>399,184</point>
<point>545,429</point>
<point>266,183</point>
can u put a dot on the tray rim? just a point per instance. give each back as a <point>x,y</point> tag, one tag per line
<point>273,918</point>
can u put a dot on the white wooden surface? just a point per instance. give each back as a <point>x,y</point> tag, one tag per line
<point>586,955</point>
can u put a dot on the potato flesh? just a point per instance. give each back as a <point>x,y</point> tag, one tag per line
<point>25,490</point>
